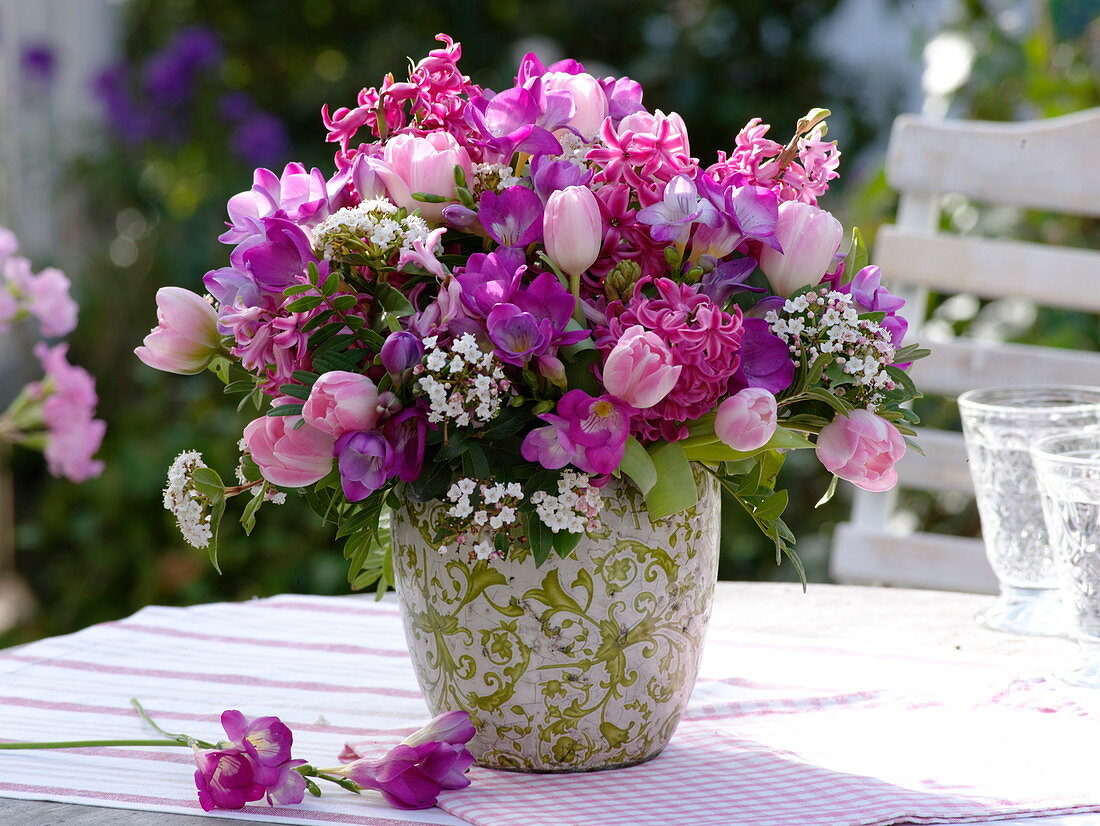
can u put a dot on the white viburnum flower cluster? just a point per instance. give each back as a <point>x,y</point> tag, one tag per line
<point>827,322</point>
<point>575,509</point>
<point>494,177</point>
<point>573,149</point>
<point>464,385</point>
<point>185,503</point>
<point>478,513</point>
<point>376,222</point>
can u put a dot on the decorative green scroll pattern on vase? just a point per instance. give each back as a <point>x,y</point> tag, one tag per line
<point>583,663</point>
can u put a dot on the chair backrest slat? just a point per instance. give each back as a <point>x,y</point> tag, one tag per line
<point>991,268</point>
<point>1046,164</point>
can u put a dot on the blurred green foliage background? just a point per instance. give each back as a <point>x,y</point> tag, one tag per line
<point>154,193</point>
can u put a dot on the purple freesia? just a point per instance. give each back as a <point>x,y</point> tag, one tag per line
<point>727,278</point>
<point>745,213</point>
<point>452,727</point>
<point>365,460</point>
<point>406,434</point>
<point>225,779</point>
<point>411,777</point>
<point>490,279</point>
<point>624,97</point>
<point>670,219</point>
<point>765,359</point>
<point>509,122</point>
<point>256,762</point>
<point>513,218</point>
<point>532,324</point>
<point>276,257</point>
<point>296,194</point>
<point>589,432</point>
<point>550,176</point>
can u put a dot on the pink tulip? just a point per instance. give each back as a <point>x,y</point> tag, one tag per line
<point>422,164</point>
<point>862,448</point>
<point>573,229</point>
<point>640,368</point>
<point>588,96</point>
<point>810,238</point>
<point>746,421</point>
<point>288,456</point>
<point>341,402</point>
<point>186,338</point>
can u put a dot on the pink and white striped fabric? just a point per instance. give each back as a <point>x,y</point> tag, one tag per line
<point>780,731</point>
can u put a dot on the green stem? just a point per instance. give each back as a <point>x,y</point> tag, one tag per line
<point>575,288</point>
<point>83,744</point>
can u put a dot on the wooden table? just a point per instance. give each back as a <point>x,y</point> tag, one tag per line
<point>933,620</point>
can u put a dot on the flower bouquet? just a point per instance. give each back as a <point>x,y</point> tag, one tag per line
<point>531,337</point>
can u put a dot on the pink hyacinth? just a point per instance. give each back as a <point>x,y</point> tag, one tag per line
<point>753,162</point>
<point>645,150</point>
<point>68,408</point>
<point>703,339</point>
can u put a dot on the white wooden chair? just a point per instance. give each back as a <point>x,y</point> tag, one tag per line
<point>1045,164</point>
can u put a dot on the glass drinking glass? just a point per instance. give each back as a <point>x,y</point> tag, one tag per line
<point>1068,470</point>
<point>1000,424</point>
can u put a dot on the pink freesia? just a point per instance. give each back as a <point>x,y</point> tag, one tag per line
<point>746,421</point>
<point>68,399</point>
<point>640,369</point>
<point>809,238</point>
<point>289,456</point>
<point>573,229</point>
<point>186,338</point>
<point>341,402</point>
<point>862,448</point>
<point>452,727</point>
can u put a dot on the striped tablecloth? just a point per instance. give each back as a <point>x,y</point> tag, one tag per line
<point>780,731</point>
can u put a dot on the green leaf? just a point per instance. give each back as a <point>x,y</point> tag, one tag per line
<point>393,300</point>
<point>219,366</point>
<point>857,257</point>
<point>248,517</point>
<point>343,303</point>
<point>541,538</point>
<point>297,289</point>
<point>785,439</point>
<point>772,507</point>
<point>564,542</point>
<point>331,283</point>
<point>638,466</point>
<point>428,198</point>
<point>716,452</point>
<point>675,488</point>
<point>286,410</point>
<point>295,391</point>
<point>208,483</point>
<point>828,493</point>
<point>307,302</point>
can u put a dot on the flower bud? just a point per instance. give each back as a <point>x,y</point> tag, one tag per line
<point>640,369</point>
<point>186,338</point>
<point>573,229</point>
<point>341,402</point>
<point>809,237</point>
<point>400,352</point>
<point>288,456</point>
<point>862,448</point>
<point>746,421</point>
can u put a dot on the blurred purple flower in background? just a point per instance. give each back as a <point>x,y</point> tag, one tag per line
<point>38,63</point>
